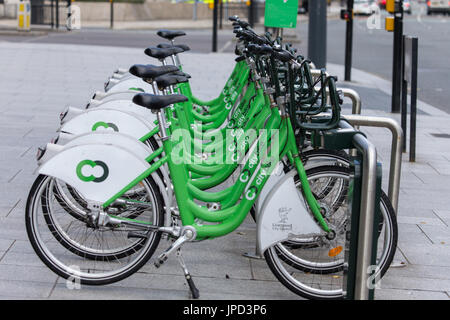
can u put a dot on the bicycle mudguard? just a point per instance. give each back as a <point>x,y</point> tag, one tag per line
<point>105,137</point>
<point>131,84</point>
<point>70,113</point>
<point>284,215</point>
<point>99,96</point>
<point>108,119</point>
<point>123,141</point>
<point>121,105</point>
<point>96,171</point>
<point>121,76</point>
<point>276,175</point>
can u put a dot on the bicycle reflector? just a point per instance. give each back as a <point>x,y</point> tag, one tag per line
<point>335,251</point>
<point>63,114</point>
<point>55,139</point>
<point>40,153</point>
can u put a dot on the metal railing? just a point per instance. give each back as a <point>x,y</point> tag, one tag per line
<point>49,12</point>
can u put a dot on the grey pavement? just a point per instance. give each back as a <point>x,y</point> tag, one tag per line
<point>372,48</point>
<point>39,80</point>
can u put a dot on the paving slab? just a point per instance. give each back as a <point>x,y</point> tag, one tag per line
<point>439,234</point>
<point>419,283</point>
<point>427,254</point>
<point>26,289</point>
<point>398,294</point>
<point>27,273</point>
<point>5,244</point>
<point>420,220</point>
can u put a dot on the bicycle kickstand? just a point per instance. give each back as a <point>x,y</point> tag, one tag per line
<point>195,292</point>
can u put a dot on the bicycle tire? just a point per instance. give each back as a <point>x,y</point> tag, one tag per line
<point>69,272</point>
<point>275,260</point>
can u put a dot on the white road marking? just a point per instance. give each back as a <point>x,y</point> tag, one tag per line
<point>229,42</point>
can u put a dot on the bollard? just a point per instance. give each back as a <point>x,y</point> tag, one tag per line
<point>409,77</point>
<point>111,13</point>
<point>194,13</point>
<point>23,15</point>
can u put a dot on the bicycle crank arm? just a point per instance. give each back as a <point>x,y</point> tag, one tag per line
<point>188,233</point>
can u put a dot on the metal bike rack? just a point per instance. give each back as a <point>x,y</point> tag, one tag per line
<point>360,251</point>
<point>354,96</point>
<point>361,246</point>
<point>396,156</point>
<point>349,93</point>
<point>397,138</point>
<point>367,214</point>
<point>396,149</point>
<point>356,100</point>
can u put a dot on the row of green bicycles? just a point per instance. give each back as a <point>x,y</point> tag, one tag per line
<point>146,163</point>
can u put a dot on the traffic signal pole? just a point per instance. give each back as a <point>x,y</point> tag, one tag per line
<point>395,24</point>
<point>397,65</point>
<point>214,35</point>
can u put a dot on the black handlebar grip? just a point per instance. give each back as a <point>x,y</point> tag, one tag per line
<point>283,55</point>
<point>266,49</point>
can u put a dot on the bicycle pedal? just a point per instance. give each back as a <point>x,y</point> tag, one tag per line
<point>160,260</point>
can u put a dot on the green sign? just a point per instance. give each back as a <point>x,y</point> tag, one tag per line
<point>281,13</point>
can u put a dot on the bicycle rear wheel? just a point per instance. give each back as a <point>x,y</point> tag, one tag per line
<point>314,268</point>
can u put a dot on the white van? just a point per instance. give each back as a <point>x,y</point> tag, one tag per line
<point>435,6</point>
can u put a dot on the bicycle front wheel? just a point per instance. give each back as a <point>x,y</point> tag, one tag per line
<point>77,250</point>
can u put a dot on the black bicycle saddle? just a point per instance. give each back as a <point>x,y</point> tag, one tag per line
<point>156,102</point>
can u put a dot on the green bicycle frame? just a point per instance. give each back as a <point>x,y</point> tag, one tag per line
<point>229,218</point>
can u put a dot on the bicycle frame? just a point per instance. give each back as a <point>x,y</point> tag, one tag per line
<point>251,181</point>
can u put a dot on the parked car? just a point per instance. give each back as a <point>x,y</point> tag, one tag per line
<point>407,6</point>
<point>436,6</point>
<point>365,7</point>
